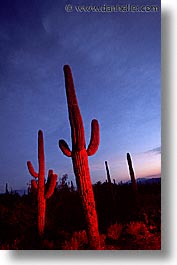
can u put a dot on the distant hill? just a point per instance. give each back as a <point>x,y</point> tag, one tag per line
<point>21,192</point>
<point>147,180</point>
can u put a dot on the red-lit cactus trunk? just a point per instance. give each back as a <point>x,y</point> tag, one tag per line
<point>42,194</point>
<point>79,156</point>
<point>41,185</point>
<point>82,173</point>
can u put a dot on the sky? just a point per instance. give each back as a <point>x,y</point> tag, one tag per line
<point>115,61</point>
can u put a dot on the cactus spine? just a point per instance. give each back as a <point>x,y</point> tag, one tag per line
<point>42,192</point>
<point>79,155</point>
<point>132,174</point>
<point>108,173</point>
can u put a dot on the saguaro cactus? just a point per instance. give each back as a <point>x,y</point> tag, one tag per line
<point>107,172</point>
<point>43,191</point>
<point>132,174</point>
<point>79,155</point>
<point>112,195</point>
<point>7,191</point>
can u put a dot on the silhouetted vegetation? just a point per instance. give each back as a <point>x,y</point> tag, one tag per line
<point>122,223</point>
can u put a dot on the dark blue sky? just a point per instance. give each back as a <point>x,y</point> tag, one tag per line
<point>115,60</point>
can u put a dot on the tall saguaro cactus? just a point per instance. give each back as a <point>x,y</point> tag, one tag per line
<point>79,155</point>
<point>132,174</point>
<point>107,172</point>
<point>43,191</point>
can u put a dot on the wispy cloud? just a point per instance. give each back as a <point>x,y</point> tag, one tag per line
<point>156,150</point>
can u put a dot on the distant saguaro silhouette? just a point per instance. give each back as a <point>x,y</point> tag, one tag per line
<point>132,174</point>
<point>107,172</point>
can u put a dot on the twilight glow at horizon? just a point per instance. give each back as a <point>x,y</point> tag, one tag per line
<point>115,61</point>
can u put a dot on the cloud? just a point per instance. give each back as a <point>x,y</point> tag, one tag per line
<point>156,150</point>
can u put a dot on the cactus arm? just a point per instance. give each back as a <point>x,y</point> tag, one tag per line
<point>77,128</point>
<point>64,148</point>
<point>50,173</point>
<point>95,138</point>
<point>34,184</point>
<point>31,169</point>
<point>51,183</point>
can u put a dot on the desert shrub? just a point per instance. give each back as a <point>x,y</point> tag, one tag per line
<point>137,229</point>
<point>114,231</point>
<point>103,241</point>
<point>10,246</point>
<point>78,241</point>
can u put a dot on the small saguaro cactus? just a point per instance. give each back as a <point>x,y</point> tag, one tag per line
<point>72,186</point>
<point>44,191</point>
<point>7,191</point>
<point>112,195</point>
<point>132,174</point>
<point>107,172</point>
<point>79,155</point>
